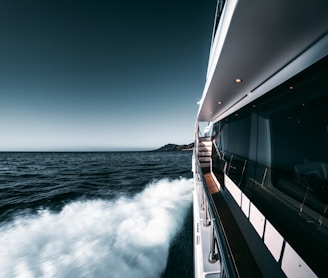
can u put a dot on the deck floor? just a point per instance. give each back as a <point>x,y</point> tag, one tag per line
<point>242,255</point>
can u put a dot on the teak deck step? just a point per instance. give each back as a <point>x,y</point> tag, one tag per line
<point>242,255</point>
<point>211,185</point>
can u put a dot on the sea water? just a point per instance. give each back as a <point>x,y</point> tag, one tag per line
<point>109,214</point>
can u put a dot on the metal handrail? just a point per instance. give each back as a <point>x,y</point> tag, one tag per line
<point>227,259</point>
<point>218,12</point>
<point>217,149</point>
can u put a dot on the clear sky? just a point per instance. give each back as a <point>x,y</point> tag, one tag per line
<point>97,75</point>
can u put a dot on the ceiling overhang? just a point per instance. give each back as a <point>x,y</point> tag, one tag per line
<point>262,39</point>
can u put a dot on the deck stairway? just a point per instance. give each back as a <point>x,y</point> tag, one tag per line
<point>205,152</point>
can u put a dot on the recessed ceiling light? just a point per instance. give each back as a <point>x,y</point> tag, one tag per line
<point>291,88</point>
<point>238,80</point>
<point>219,102</point>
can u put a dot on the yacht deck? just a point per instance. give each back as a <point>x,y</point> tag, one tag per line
<point>242,255</point>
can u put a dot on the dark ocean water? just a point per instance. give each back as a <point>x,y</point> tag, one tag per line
<point>110,214</point>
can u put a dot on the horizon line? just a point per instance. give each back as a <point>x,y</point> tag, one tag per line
<point>118,149</point>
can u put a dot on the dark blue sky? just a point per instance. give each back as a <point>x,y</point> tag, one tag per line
<point>96,75</point>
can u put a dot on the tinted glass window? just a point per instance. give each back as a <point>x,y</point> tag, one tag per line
<point>281,140</point>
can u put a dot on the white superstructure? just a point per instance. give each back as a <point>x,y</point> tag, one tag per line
<point>261,165</point>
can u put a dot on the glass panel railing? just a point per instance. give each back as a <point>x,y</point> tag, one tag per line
<point>305,185</point>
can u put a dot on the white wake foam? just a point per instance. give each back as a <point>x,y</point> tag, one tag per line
<point>121,238</point>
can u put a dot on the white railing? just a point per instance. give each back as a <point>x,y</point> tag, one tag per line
<point>291,263</point>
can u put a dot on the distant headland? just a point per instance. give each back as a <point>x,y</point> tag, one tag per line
<point>174,147</point>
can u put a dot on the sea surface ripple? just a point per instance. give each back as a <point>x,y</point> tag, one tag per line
<point>107,214</point>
